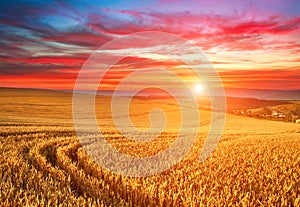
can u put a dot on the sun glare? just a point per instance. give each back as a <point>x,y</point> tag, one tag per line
<point>198,88</point>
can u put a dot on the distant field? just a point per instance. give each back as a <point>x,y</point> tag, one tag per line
<point>43,164</point>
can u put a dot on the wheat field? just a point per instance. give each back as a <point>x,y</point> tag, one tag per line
<point>43,164</point>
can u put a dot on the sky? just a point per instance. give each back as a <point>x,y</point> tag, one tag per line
<point>251,44</point>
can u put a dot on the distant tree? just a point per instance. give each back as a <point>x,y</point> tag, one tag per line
<point>289,117</point>
<point>266,111</point>
<point>296,111</point>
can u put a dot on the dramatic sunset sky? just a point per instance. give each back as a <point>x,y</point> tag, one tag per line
<point>252,44</point>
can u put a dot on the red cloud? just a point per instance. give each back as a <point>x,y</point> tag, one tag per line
<point>67,61</point>
<point>272,79</point>
<point>262,27</point>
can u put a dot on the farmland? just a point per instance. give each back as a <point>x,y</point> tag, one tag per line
<point>43,164</point>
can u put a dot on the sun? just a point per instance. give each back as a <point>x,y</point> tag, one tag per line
<point>198,88</point>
